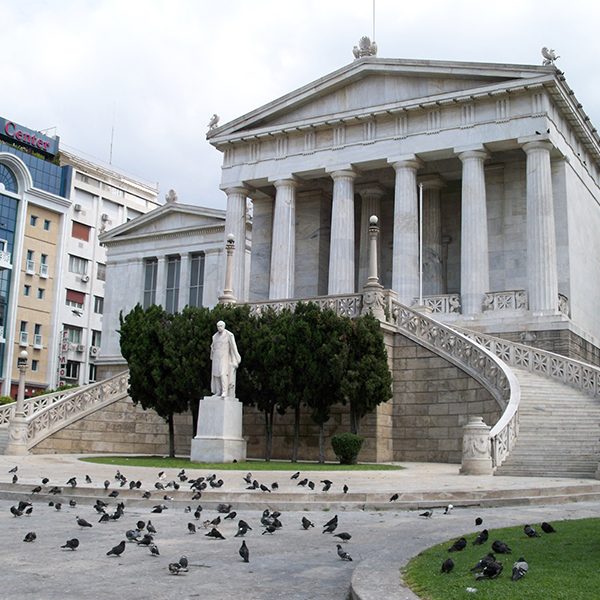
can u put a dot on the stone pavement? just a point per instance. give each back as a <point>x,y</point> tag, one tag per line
<point>299,564</point>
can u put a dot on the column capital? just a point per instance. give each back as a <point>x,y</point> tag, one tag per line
<point>529,145</point>
<point>339,172</point>
<point>236,189</point>
<point>281,182</point>
<point>408,161</point>
<point>466,153</point>
<point>370,189</point>
<point>431,182</point>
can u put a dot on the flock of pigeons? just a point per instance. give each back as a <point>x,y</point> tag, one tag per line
<point>144,533</point>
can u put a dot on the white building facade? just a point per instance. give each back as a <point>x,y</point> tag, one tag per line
<point>509,167</point>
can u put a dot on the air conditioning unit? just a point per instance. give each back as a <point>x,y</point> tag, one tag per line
<point>85,278</point>
<point>79,348</point>
<point>94,351</point>
<point>104,217</point>
<point>77,207</point>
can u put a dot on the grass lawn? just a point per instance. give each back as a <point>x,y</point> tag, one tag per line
<point>562,566</point>
<point>160,462</point>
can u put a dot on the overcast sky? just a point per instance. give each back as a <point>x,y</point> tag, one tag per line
<point>158,70</point>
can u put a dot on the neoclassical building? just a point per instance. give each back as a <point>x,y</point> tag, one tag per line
<point>508,164</point>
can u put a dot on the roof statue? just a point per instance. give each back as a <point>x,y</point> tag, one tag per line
<point>365,48</point>
<point>549,56</point>
<point>171,197</point>
<point>214,122</point>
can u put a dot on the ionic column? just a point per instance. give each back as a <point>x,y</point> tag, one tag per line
<point>184,282</point>
<point>281,283</point>
<point>341,251</point>
<point>235,223</point>
<point>542,276</point>
<point>474,268</point>
<point>432,237</point>
<point>161,281</point>
<point>370,195</point>
<point>405,259</point>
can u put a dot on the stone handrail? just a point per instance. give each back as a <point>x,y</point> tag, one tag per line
<point>574,373</point>
<point>33,405</point>
<point>506,300</point>
<point>441,303</point>
<point>348,305</point>
<point>72,407</point>
<point>477,360</point>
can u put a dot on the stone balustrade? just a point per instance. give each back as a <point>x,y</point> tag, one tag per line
<point>441,303</point>
<point>505,300</point>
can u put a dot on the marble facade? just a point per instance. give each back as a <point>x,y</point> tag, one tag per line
<point>510,167</point>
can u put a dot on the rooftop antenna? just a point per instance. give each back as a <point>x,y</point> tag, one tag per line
<point>48,129</point>
<point>112,136</point>
<point>373,38</point>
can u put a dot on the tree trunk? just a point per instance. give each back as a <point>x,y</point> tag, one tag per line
<point>171,436</point>
<point>195,409</point>
<point>269,433</point>
<point>296,440</point>
<point>322,443</point>
<point>354,421</point>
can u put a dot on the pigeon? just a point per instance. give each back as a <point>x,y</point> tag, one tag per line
<point>183,562</point>
<point>117,550</point>
<point>29,510</point>
<point>55,490</point>
<point>23,504</point>
<point>14,469</point>
<point>244,552</point>
<point>131,485</point>
<point>488,558</point>
<point>37,489</point>
<point>331,521</point>
<point>154,550</point>
<point>45,480</point>
<point>394,497</point>
<point>174,568</point>
<point>459,544</point>
<point>482,537</point>
<point>72,482</point>
<point>547,528</point>
<point>58,506</point>
<point>88,479</point>
<point>311,485</point>
<point>427,514</point>
<point>106,484</point>
<point>30,537</point>
<point>231,515</point>
<point>344,536</point>
<point>330,528</point>
<point>105,518</point>
<point>16,512</point>
<point>306,523</point>
<point>15,478</point>
<point>248,478</point>
<point>146,540</point>
<point>215,533</point>
<point>530,531</point>
<point>159,486</point>
<point>274,486</point>
<point>295,475</point>
<point>158,508</point>
<point>72,503</point>
<point>150,528</point>
<point>146,495</point>
<point>114,494</point>
<point>343,554</point>
<point>490,571</point>
<point>132,535</point>
<point>478,521</point>
<point>326,485</point>
<point>500,547</point>
<point>198,513</point>
<point>161,475</point>
<point>191,527</point>
<point>303,482</point>
<point>447,565</point>
<point>345,490</point>
<point>241,532</point>
<point>270,529</point>
<point>224,508</point>
<point>264,488</point>
<point>82,522</point>
<point>242,523</point>
<point>216,521</point>
<point>140,525</point>
<point>448,509</point>
<point>72,544</point>
<point>519,569</point>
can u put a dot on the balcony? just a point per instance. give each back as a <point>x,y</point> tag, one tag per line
<point>5,260</point>
<point>37,341</point>
<point>23,338</point>
<point>2,338</point>
<point>30,267</point>
<point>44,271</point>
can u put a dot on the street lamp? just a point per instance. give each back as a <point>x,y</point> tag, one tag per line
<point>22,366</point>
<point>227,297</point>
<point>17,428</point>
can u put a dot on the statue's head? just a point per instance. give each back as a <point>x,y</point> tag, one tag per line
<point>220,325</point>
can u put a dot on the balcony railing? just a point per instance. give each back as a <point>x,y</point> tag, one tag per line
<point>30,267</point>
<point>43,270</point>
<point>5,260</point>
<point>23,338</point>
<point>37,341</point>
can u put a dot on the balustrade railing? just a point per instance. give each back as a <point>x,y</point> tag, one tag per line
<point>347,305</point>
<point>441,303</point>
<point>34,404</point>
<point>506,300</point>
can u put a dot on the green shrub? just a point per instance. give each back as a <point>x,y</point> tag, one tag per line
<point>60,388</point>
<point>5,400</point>
<point>346,447</point>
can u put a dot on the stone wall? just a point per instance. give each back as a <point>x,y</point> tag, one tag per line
<point>121,428</point>
<point>433,399</point>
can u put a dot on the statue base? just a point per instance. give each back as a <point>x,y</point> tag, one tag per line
<point>219,435</point>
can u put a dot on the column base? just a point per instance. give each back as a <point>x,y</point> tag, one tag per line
<point>219,436</point>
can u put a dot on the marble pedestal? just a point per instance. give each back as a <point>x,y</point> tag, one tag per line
<point>219,436</point>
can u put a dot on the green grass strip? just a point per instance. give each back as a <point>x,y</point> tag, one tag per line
<point>562,566</point>
<point>162,463</point>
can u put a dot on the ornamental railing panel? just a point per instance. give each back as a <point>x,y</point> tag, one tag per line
<point>441,303</point>
<point>506,300</point>
<point>74,406</point>
<point>348,305</point>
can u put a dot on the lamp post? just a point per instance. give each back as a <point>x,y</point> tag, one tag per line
<point>227,297</point>
<point>373,296</point>
<point>17,429</point>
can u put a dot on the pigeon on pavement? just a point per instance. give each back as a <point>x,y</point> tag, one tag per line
<point>343,554</point>
<point>244,552</point>
<point>117,550</point>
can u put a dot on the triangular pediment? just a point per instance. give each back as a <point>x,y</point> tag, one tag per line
<point>169,218</point>
<point>373,84</point>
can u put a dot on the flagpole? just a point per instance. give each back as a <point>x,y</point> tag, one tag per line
<point>420,244</point>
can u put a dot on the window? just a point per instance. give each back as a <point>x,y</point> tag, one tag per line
<point>196,280</point>
<point>23,335</point>
<point>72,369</point>
<point>96,338</point>
<point>73,334</point>
<point>37,336</point>
<point>44,265</point>
<point>81,231</point>
<point>101,271</point>
<point>30,262</point>
<point>150,272</point>
<point>173,270</point>
<point>92,373</point>
<point>75,299</point>
<point>46,224</point>
<point>35,365</point>
<point>33,220</point>
<point>77,265</point>
<point>26,290</point>
<point>40,293</point>
<point>98,306</point>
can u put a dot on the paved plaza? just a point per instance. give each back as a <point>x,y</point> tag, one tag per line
<point>293,562</point>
